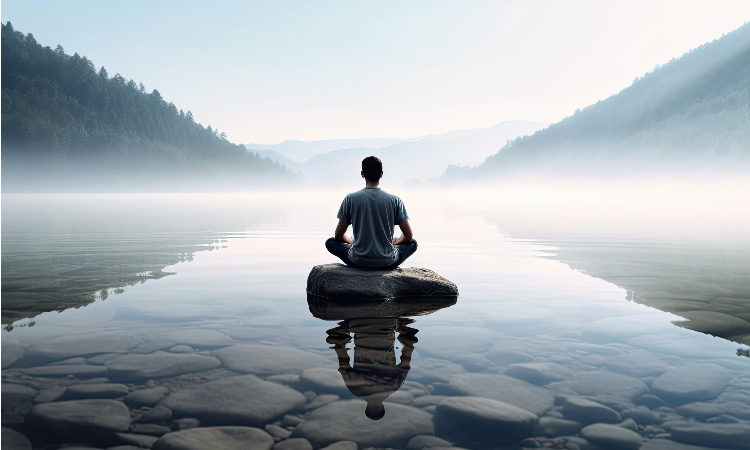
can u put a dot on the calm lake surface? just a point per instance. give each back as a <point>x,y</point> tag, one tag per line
<point>618,319</point>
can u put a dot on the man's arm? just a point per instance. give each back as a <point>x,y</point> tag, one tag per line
<point>406,234</point>
<point>340,230</point>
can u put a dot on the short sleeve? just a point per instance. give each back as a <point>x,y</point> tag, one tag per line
<point>345,212</point>
<point>400,215</point>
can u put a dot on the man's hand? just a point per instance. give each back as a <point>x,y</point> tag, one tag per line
<point>406,234</point>
<point>340,230</point>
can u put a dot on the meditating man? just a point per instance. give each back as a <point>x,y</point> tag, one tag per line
<point>372,214</point>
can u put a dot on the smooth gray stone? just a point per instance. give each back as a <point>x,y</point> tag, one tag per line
<point>612,436</point>
<point>77,360</point>
<point>293,444</point>
<point>13,440</point>
<point>341,282</point>
<point>216,438</point>
<point>554,427</point>
<point>428,400</point>
<point>502,388</point>
<point>99,360</point>
<point>603,383</point>
<point>629,424</point>
<point>150,429</point>
<point>77,370</point>
<point>717,435</point>
<point>587,411</point>
<point>691,383</point>
<point>342,445</point>
<point>81,416</point>
<point>506,357</point>
<point>156,414</point>
<point>287,378</point>
<point>478,421</point>
<point>103,390</point>
<point>323,380</point>
<point>667,444</point>
<point>159,365</point>
<point>16,394</point>
<point>241,400</point>
<point>641,415</point>
<point>181,349</point>
<point>199,338</point>
<point>594,360</point>
<point>324,426</point>
<point>277,432</point>
<point>80,345</point>
<point>420,442</point>
<point>704,411</point>
<point>186,423</point>
<point>266,360</point>
<point>539,373</point>
<point>428,370</point>
<point>12,350</point>
<point>476,363</point>
<point>638,364</point>
<point>140,440</point>
<point>146,397</point>
<point>50,395</point>
<point>650,401</point>
<point>291,421</point>
<point>320,400</point>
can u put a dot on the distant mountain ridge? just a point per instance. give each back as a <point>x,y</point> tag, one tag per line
<point>689,116</point>
<point>301,151</point>
<point>68,127</point>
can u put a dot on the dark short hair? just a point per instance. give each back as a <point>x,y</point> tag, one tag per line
<point>372,167</point>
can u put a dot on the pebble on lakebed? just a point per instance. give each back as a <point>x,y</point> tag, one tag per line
<point>338,281</point>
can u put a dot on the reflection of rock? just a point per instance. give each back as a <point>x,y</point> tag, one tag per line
<point>265,360</point>
<point>538,373</point>
<point>325,426</point>
<point>224,438</point>
<point>343,309</point>
<point>612,437</point>
<point>81,419</point>
<point>159,364</point>
<point>13,440</point>
<point>503,388</point>
<point>587,411</point>
<point>241,400</point>
<point>603,384</point>
<point>691,383</point>
<point>482,421</point>
<point>715,323</point>
<point>342,282</point>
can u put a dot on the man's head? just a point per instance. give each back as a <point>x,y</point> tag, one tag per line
<point>375,410</point>
<point>372,168</point>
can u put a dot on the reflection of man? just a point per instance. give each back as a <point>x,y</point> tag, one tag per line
<point>375,375</point>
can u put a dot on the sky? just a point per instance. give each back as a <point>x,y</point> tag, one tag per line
<point>267,71</point>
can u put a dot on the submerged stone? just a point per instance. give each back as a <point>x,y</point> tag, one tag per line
<point>81,418</point>
<point>503,388</point>
<point>13,440</point>
<point>341,282</point>
<point>612,436</point>
<point>159,365</point>
<point>219,438</point>
<point>691,383</point>
<point>265,360</point>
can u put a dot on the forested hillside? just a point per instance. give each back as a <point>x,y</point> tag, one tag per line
<point>689,116</point>
<point>67,126</point>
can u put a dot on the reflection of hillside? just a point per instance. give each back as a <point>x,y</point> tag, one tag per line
<point>62,272</point>
<point>707,285</point>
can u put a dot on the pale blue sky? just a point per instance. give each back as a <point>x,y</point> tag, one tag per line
<point>268,71</point>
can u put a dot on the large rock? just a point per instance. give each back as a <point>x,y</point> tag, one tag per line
<point>691,383</point>
<point>216,438</point>
<point>83,419</point>
<point>266,360</point>
<point>502,388</point>
<point>612,437</point>
<point>341,282</point>
<point>241,400</point>
<point>602,384</point>
<point>13,440</point>
<point>477,421</point>
<point>346,421</point>
<point>159,365</point>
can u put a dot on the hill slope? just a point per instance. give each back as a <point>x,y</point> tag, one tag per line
<point>690,116</point>
<point>301,151</point>
<point>66,126</point>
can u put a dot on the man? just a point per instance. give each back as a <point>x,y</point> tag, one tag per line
<point>372,213</point>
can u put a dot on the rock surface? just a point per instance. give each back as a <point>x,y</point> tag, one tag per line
<point>294,444</point>
<point>13,440</point>
<point>266,360</point>
<point>477,421</point>
<point>538,373</point>
<point>587,411</point>
<point>420,442</point>
<point>216,438</point>
<point>502,388</point>
<point>323,380</point>
<point>81,418</point>
<point>553,427</point>
<point>98,390</point>
<point>325,426</point>
<point>612,437</point>
<point>241,400</point>
<point>718,435</point>
<point>159,365</point>
<point>603,383</point>
<point>342,282</point>
<point>146,397</point>
<point>691,383</point>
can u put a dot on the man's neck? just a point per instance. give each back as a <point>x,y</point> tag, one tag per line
<point>372,184</point>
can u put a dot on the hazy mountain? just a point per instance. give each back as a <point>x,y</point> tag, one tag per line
<point>423,158</point>
<point>68,127</point>
<point>275,156</point>
<point>301,151</point>
<point>690,116</point>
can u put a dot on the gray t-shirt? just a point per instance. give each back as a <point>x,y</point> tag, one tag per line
<point>373,214</point>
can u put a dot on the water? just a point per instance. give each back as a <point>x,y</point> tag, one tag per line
<point>563,295</point>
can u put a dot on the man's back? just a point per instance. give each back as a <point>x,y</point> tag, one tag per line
<point>373,214</point>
